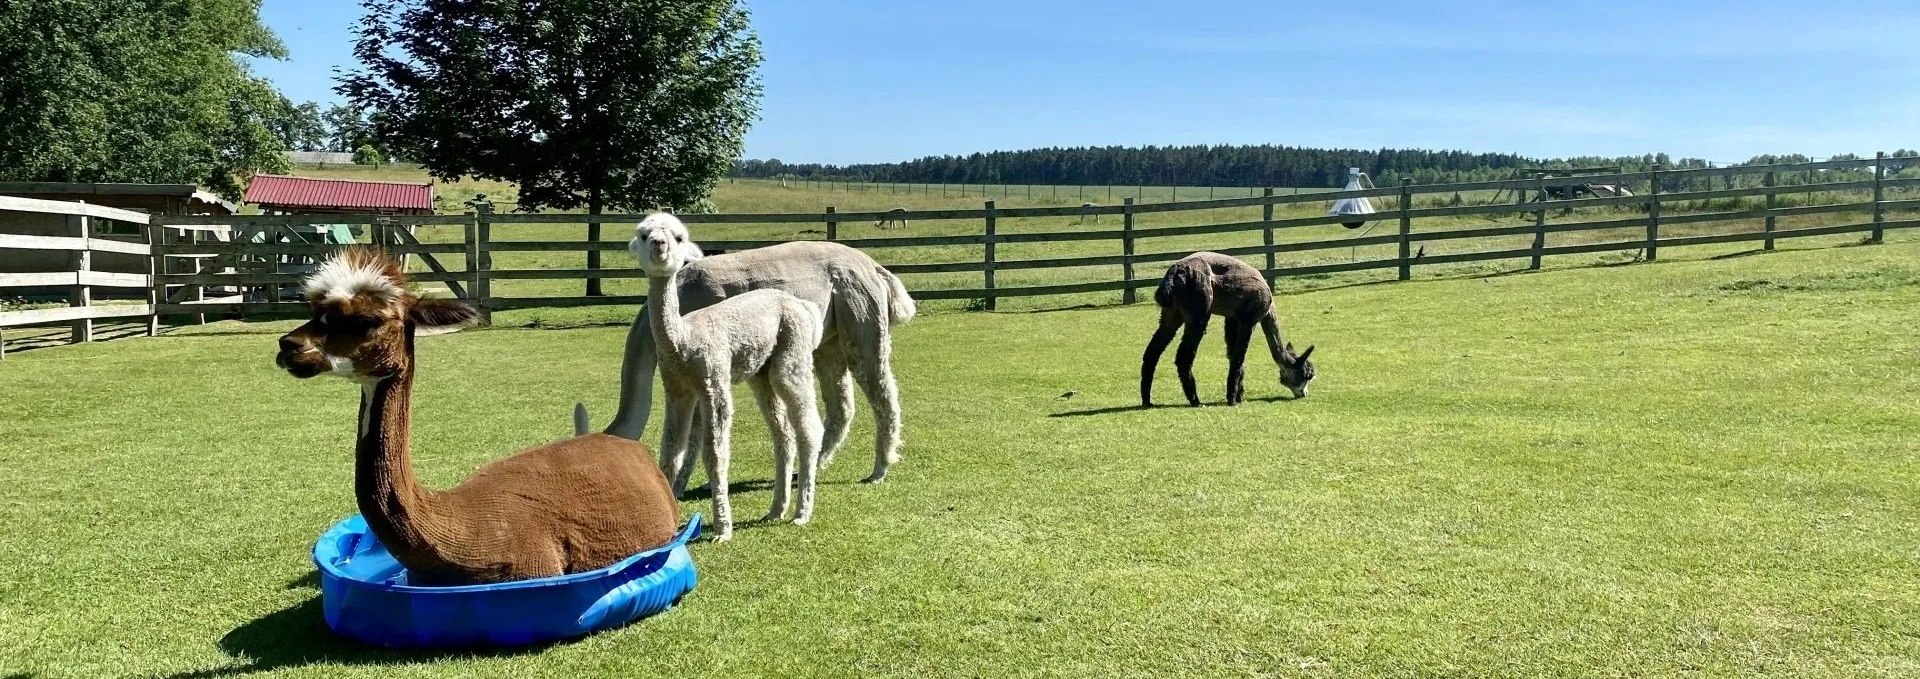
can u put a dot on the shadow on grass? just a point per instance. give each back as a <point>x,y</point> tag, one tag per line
<point>1104,411</point>
<point>297,636</point>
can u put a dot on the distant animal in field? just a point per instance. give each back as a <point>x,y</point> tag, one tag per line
<point>1089,210</point>
<point>1207,284</point>
<point>894,219</point>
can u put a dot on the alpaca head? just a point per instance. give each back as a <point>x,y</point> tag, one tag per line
<point>662,244</point>
<point>362,316</point>
<point>1296,371</point>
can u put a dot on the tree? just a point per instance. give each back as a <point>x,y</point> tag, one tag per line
<point>629,104</point>
<point>367,155</point>
<point>304,128</point>
<point>137,91</point>
<point>346,128</point>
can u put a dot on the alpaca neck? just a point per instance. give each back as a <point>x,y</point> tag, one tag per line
<point>398,510</point>
<point>669,329</point>
<point>1270,327</point>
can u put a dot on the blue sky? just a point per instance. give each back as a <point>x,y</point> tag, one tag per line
<point>876,80</point>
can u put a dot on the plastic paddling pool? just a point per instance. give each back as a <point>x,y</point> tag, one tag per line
<point>365,596</point>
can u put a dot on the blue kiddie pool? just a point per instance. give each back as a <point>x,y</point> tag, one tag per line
<point>365,595</point>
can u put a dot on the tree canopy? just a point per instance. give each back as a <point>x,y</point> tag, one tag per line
<point>138,91</point>
<point>631,104</point>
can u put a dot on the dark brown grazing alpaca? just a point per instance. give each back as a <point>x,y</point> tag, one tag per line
<point>1210,283</point>
<point>569,506</point>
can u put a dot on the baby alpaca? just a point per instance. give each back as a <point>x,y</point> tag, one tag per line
<point>763,337</point>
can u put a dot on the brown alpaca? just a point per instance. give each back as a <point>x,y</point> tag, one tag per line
<point>564,507</point>
<point>1210,283</point>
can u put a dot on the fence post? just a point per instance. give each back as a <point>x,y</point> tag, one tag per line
<point>1879,195</point>
<point>1266,231</point>
<point>991,300</point>
<point>833,225</point>
<point>483,260</point>
<point>1539,225</point>
<point>472,240</point>
<point>82,260</point>
<point>1769,180</point>
<point>1653,215</point>
<point>156,288</point>
<point>1127,295</point>
<point>1406,228</point>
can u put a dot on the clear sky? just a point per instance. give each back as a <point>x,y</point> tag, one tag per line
<point>882,80</point>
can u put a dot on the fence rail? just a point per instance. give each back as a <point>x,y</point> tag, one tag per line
<point>185,265</point>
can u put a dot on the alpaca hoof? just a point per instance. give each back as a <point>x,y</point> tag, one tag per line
<point>825,460</point>
<point>773,516</point>
<point>876,477</point>
<point>802,519</point>
<point>721,538</point>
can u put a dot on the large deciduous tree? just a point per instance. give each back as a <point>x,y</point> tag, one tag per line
<point>596,104</point>
<point>137,91</point>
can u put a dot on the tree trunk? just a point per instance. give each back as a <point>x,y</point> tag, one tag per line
<point>593,236</point>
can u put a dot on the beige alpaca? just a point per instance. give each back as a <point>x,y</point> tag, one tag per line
<point>565,507</point>
<point>763,337</point>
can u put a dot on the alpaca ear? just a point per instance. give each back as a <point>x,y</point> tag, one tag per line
<point>1305,354</point>
<point>441,315</point>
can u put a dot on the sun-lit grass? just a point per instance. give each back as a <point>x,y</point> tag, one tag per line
<point>1695,468</point>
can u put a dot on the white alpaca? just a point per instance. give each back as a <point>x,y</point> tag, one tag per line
<point>765,338</point>
<point>862,300</point>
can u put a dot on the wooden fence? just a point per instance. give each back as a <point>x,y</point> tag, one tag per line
<point>234,264</point>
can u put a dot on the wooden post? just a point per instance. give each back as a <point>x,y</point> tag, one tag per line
<point>833,225</point>
<point>1653,216</point>
<point>1127,295</point>
<point>483,260</point>
<point>1406,228</point>
<point>156,288</point>
<point>81,295</point>
<point>1769,180</point>
<point>1539,230</point>
<point>472,229</point>
<point>992,302</point>
<point>1266,232</point>
<point>199,267</point>
<point>1879,195</point>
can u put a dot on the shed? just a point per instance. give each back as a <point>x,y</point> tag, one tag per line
<point>169,199</point>
<point>282,194</point>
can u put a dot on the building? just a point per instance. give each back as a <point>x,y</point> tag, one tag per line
<point>170,199</point>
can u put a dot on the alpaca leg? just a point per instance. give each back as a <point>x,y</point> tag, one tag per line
<point>675,440</point>
<point>1169,325</point>
<point>836,382</point>
<point>876,379</point>
<point>719,413</point>
<point>795,388</point>
<point>1183,359</point>
<point>779,429</point>
<point>1239,333</point>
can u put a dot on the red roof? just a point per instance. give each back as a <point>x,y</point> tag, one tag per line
<point>310,192</point>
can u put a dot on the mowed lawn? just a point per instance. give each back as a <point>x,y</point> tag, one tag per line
<point>1700,468</point>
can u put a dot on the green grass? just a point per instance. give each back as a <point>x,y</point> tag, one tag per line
<point>1695,468</point>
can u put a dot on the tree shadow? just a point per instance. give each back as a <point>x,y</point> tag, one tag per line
<point>297,636</point>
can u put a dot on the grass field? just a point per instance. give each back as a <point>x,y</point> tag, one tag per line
<point>1690,468</point>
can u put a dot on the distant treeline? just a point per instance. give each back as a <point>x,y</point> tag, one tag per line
<point>1264,165</point>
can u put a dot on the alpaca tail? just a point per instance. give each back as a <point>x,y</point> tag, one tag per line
<point>579,419</point>
<point>900,306</point>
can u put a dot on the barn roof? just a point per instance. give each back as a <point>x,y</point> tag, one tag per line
<point>313,193</point>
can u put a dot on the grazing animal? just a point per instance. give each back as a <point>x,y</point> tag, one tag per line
<point>565,507</point>
<point>863,301</point>
<point>1089,210</point>
<point>765,338</point>
<point>1209,283</point>
<point>894,218</point>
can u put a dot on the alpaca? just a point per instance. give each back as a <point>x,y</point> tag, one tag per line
<point>763,337</point>
<point>1209,283</point>
<point>1088,210</point>
<point>896,217</point>
<point>564,507</point>
<point>862,301</point>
